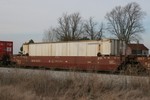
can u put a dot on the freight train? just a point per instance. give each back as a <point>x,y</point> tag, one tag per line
<point>98,55</point>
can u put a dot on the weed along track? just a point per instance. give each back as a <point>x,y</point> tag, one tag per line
<point>60,85</point>
<point>116,79</point>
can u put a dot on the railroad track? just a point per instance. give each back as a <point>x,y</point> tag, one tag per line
<point>143,74</point>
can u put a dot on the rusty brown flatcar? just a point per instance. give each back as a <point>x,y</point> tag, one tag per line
<point>101,55</point>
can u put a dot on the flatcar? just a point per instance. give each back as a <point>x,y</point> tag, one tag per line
<point>98,55</point>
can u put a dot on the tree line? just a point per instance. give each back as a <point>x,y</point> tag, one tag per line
<point>123,22</point>
<point>72,27</point>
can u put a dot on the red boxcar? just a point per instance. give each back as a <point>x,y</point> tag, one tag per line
<point>6,48</point>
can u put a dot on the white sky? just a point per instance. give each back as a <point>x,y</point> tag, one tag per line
<point>22,20</point>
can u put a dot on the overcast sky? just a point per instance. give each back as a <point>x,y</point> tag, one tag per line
<point>22,20</point>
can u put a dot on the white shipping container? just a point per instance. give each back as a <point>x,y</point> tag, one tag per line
<point>106,48</point>
<point>82,49</point>
<point>75,48</point>
<point>92,48</point>
<point>25,49</point>
<point>32,50</point>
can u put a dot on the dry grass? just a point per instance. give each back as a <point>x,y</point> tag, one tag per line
<point>42,86</point>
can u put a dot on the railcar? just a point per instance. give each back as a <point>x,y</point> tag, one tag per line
<point>98,55</point>
<point>6,52</point>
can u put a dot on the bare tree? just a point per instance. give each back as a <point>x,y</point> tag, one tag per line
<point>126,22</point>
<point>49,35</point>
<point>70,27</point>
<point>92,30</point>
